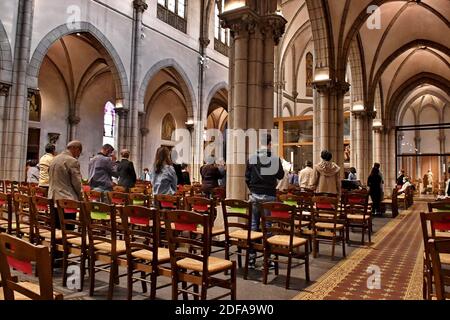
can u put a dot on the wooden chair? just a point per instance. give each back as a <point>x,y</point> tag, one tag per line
<point>119,189</point>
<point>23,225</point>
<point>391,202</point>
<point>357,213</point>
<point>140,190</point>
<point>118,198</point>
<point>2,186</point>
<point>25,190</point>
<point>168,202</point>
<point>141,226</point>
<point>219,194</point>
<point>208,207</point>
<point>103,245</point>
<point>190,258</point>
<point>139,199</point>
<point>20,255</point>
<point>440,251</point>
<point>435,225</point>
<point>6,213</point>
<point>237,216</point>
<point>92,196</point>
<point>327,225</point>
<point>280,239</point>
<point>45,225</point>
<point>39,192</point>
<point>74,237</point>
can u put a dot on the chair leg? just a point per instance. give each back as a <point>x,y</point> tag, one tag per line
<point>343,246</point>
<point>91,275</point>
<point>307,264</point>
<point>266,266</point>
<point>130,282</point>
<point>239,257</point>
<point>277,270</point>
<point>112,279</point>
<point>288,274</point>
<point>82,269</point>
<point>247,257</point>
<point>333,247</point>
<point>174,286</point>
<point>233,282</point>
<point>153,283</point>
<point>184,287</point>
<point>64,267</point>
<point>204,291</point>
<point>363,231</point>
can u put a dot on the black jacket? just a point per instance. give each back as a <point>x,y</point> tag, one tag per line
<point>179,173</point>
<point>263,172</point>
<point>210,177</point>
<point>127,174</point>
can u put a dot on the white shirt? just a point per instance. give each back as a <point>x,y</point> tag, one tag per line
<point>304,177</point>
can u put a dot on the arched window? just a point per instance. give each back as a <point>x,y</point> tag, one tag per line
<point>109,122</point>
<point>221,35</point>
<point>173,12</point>
<point>309,74</point>
<point>168,128</point>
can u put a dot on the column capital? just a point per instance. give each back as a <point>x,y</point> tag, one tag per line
<point>73,119</point>
<point>140,5</point>
<point>4,89</point>
<point>331,85</point>
<point>145,131</point>
<point>204,42</point>
<point>121,112</point>
<point>372,115</point>
<point>240,20</point>
<point>273,25</point>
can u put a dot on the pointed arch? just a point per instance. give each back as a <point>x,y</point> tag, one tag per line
<point>6,63</point>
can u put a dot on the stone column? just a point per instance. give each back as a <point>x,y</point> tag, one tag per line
<point>136,54</point>
<point>255,30</point>
<point>329,118</point>
<point>122,118</point>
<point>4,93</point>
<point>73,121</point>
<point>17,114</point>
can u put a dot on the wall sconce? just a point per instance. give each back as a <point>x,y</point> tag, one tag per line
<point>377,124</point>
<point>233,4</point>
<point>358,107</point>
<point>189,124</point>
<point>321,74</point>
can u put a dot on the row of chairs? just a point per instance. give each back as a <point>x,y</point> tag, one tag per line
<point>436,236</point>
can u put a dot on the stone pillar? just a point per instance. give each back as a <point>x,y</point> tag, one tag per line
<point>136,54</point>
<point>15,139</point>
<point>122,119</point>
<point>4,93</point>
<point>391,159</point>
<point>73,121</point>
<point>329,118</point>
<point>255,30</point>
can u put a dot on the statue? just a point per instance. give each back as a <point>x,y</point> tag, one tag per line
<point>430,181</point>
<point>347,153</point>
<point>168,128</point>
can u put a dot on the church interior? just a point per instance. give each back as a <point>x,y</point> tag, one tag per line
<point>367,80</point>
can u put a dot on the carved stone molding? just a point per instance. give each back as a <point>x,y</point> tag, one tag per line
<point>144,131</point>
<point>121,112</point>
<point>273,25</point>
<point>53,137</point>
<point>4,89</point>
<point>140,5</point>
<point>73,120</point>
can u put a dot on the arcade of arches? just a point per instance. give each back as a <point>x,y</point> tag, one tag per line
<point>368,80</point>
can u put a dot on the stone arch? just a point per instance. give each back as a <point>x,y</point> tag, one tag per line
<point>322,34</point>
<point>100,42</point>
<point>357,70</point>
<point>6,63</point>
<point>219,86</point>
<point>306,111</point>
<point>289,108</point>
<point>185,83</point>
<point>393,108</point>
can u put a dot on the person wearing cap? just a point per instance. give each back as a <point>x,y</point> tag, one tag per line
<point>126,172</point>
<point>305,175</point>
<point>44,164</point>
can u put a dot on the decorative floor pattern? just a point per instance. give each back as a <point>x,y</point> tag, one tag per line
<point>396,256</point>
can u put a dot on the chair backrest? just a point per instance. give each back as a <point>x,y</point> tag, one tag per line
<point>201,205</point>
<point>24,214</point>
<point>44,217</point>
<point>137,190</point>
<point>93,196</point>
<point>139,199</point>
<point>441,275</point>
<point>181,244</point>
<point>2,186</point>
<point>440,205</point>
<point>119,189</point>
<point>237,214</point>
<point>219,194</point>
<point>71,220</point>
<point>100,221</point>
<point>197,190</point>
<point>39,192</point>
<point>118,198</point>
<point>19,254</point>
<point>167,202</point>
<point>291,200</point>
<point>141,227</point>
<point>280,221</point>
<point>356,202</point>
<point>6,211</point>
<point>25,190</point>
<point>326,208</point>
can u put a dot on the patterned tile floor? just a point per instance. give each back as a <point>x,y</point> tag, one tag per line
<point>391,269</point>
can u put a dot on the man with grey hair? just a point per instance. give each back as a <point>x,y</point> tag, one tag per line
<point>65,175</point>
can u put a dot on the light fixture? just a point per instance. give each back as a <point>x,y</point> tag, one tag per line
<point>377,124</point>
<point>322,74</point>
<point>358,107</point>
<point>233,4</point>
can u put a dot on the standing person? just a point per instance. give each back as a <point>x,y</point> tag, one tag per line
<point>65,175</point>
<point>145,176</point>
<point>400,179</point>
<point>283,184</point>
<point>352,176</point>
<point>44,164</point>
<point>185,175</point>
<point>263,170</point>
<point>163,178</point>
<point>126,172</point>
<point>223,171</point>
<point>374,183</point>
<point>33,172</point>
<point>326,175</point>
<point>210,176</point>
<point>305,175</point>
<point>102,168</point>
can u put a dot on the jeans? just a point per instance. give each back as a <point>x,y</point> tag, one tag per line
<point>257,200</point>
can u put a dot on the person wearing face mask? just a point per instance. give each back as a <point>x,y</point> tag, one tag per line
<point>102,168</point>
<point>65,175</point>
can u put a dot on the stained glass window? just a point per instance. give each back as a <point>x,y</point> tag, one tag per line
<point>109,121</point>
